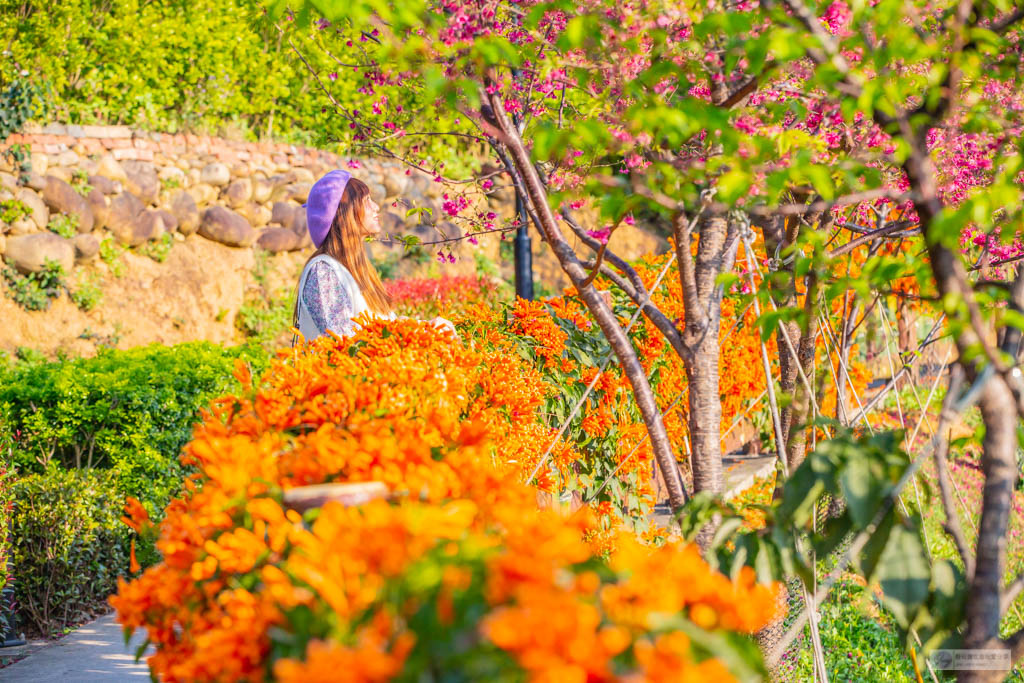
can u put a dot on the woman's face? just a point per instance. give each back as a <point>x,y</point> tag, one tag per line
<point>371,217</point>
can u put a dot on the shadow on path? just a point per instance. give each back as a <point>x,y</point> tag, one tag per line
<point>94,652</point>
<point>741,471</point>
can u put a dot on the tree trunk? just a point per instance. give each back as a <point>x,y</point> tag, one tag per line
<point>775,240</point>
<point>702,298</point>
<point>998,462</point>
<point>999,414</point>
<point>843,406</point>
<point>905,326</point>
<point>705,418</point>
<point>905,337</point>
<point>536,195</point>
<point>718,241</point>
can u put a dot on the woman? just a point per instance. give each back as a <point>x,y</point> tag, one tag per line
<point>338,282</point>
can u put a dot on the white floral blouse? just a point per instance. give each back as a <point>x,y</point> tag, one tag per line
<point>329,299</point>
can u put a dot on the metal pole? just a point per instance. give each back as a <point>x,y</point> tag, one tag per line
<point>523,256</point>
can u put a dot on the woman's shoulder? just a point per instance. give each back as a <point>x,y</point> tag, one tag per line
<point>325,263</point>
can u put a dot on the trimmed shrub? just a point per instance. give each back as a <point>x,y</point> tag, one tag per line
<point>6,508</point>
<point>126,411</point>
<point>68,546</point>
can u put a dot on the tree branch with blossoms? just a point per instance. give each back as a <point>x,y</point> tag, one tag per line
<point>805,125</point>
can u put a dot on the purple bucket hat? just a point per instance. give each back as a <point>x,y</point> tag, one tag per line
<point>322,204</point>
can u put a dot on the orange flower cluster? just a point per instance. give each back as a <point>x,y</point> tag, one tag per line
<point>751,501</point>
<point>608,439</point>
<point>532,319</point>
<point>458,570</point>
<point>741,374</point>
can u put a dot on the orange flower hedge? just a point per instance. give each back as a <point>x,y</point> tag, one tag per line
<point>458,572</point>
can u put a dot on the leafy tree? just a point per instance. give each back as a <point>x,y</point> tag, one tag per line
<point>868,144</point>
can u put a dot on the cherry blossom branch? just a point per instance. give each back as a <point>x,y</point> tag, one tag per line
<point>885,231</point>
<point>620,344</point>
<point>796,209</point>
<point>377,144</point>
<point>1001,262</point>
<point>449,240</point>
<point>1006,22</point>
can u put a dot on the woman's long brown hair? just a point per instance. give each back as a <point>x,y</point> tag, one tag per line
<point>345,244</point>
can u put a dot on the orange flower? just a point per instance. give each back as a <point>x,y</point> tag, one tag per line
<point>135,514</point>
<point>248,588</point>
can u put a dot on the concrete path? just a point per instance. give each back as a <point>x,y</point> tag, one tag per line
<point>742,470</point>
<point>95,652</point>
<point>740,473</point>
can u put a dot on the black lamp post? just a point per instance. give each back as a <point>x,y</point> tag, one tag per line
<point>523,257</point>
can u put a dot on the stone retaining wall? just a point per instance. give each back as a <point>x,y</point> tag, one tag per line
<point>125,143</point>
<point>136,187</point>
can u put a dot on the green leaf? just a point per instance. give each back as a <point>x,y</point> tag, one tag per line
<point>858,485</point>
<point>799,494</point>
<point>417,211</point>
<point>733,185</point>
<point>877,541</point>
<point>726,530</point>
<point>738,652</point>
<point>140,651</point>
<point>904,573</point>
<point>769,321</point>
<point>576,32</point>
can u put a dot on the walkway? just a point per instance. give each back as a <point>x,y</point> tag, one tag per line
<point>95,652</point>
<point>741,471</point>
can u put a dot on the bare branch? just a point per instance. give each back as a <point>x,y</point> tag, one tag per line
<point>952,525</point>
<point>885,231</point>
<point>654,314</point>
<point>1008,21</point>
<point>765,211</point>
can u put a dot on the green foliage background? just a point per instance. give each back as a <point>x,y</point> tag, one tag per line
<point>83,434</point>
<point>125,411</point>
<point>217,66</point>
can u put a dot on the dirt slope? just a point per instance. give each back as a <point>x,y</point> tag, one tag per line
<point>194,294</point>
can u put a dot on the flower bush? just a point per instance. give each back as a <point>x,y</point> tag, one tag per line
<point>447,295</point>
<point>458,572</point>
<point>106,72</point>
<point>605,457</point>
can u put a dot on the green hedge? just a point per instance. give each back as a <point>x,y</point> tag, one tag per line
<point>127,411</point>
<point>6,508</point>
<point>84,434</point>
<point>169,65</point>
<point>69,546</point>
